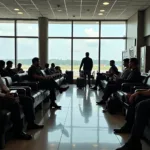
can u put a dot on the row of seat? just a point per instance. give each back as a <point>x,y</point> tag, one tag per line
<point>130,88</point>
<point>27,88</point>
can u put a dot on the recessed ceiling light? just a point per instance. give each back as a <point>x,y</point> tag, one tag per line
<point>16,9</point>
<point>20,13</point>
<point>59,10</point>
<point>102,10</point>
<point>106,3</point>
<point>100,14</point>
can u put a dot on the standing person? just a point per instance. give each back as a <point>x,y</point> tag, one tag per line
<point>87,64</point>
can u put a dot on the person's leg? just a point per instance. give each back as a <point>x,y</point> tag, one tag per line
<point>130,115</point>
<point>141,120</point>
<point>28,109</point>
<point>11,105</point>
<point>89,78</point>
<point>110,88</point>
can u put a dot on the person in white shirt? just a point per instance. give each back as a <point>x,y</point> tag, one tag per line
<point>12,103</point>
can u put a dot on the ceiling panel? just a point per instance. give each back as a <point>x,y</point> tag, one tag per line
<point>72,9</point>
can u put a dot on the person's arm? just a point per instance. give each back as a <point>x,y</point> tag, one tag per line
<point>92,65</point>
<point>81,64</point>
<point>38,77</point>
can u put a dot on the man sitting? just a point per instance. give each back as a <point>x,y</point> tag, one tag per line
<point>47,82</point>
<point>133,101</point>
<point>134,76</point>
<point>101,76</point>
<point>3,72</point>
<point>11,103</point>
<point>19,69</point>
<point>52,68</point>
<point>46,69</point>
<point>141,118</point>
<point>9,69</point>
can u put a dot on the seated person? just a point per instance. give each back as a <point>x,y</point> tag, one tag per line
<point>47,82</point>
<point>19,69</point>
<point>134,76</point>
<point>101,76</point>
<point>9,69</point>
<point>133,101</point>
<point>52,68</point>
<point>11,103</point>
<point>3,72</point>
<point>58,69</point>
<point>46,69</point>
<point>141,117</point>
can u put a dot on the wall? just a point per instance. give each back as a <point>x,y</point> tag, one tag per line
<point>132,25</point>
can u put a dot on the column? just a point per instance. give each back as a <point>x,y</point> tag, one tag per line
<point>43,40</point>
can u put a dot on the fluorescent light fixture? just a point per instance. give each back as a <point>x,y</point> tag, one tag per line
<point>97,22</point>
<point>16,9</point>
<point>102,10</point>
<point>106,3</point>
<point>20,13</point>
<point>59,10</point>
<point>100,14</point>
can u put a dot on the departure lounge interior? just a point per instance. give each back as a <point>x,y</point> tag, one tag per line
<point>75,74</point>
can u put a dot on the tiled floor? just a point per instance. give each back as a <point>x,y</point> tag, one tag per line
<point>80,125</point>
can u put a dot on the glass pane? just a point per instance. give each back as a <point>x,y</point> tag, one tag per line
<point>80,47</point>
<point>7,28</point>
<point>113,29</point>
<point>59,29</point>
<point>27,49</point>
<point>86,29</point>
<point>111,50</point>
<point>27,28</point>
<point>8,49</point>
<point>60,55</point>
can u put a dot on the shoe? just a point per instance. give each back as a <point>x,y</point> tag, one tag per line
<point>23,136</point>
<point>102,102</point>
<point>94,88</point>
<point>34,126</point>
<point>131,146</point>
<point>61,90</point>
<point>55,106</point>
<point>125,129</point>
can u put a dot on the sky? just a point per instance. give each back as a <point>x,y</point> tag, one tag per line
<point>61,48</point>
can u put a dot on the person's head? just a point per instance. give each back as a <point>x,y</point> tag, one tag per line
<point>87,54</point>
<point>112,63</point>
<point>19,65</point>
<point>36,61</point>
<point>126,62</point>
<point>46,65</point>
<point>52,65</point>
<point>133,63</point>
<point>2,64</point>
<point>9,64</point>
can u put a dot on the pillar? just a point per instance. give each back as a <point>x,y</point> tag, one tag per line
<point>43,40</point>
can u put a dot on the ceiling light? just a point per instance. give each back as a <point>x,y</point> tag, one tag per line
<point>100,14</point>
<point>20,13</point>
<point>102,10</point>
<point>59,10</point>
<point>106,3</point>
<point>97,22</point>
<point>16,9</point>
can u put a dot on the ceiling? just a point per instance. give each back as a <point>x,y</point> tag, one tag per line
<point>72,9</point>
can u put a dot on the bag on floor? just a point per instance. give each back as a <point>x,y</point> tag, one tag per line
<point>113,106</point>
<point>80,83</point>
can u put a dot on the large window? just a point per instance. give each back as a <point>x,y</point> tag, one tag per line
<point>7,50</point>
<point>111,49</point>
<point>85,29</point>
<point>26,50</point>
<point>27,28</point>
<point>80,47</point>
<point>113,29</point>
<point>60,53</point>
<point>59,29</point>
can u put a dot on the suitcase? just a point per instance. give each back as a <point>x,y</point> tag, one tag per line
<point>80,83</point>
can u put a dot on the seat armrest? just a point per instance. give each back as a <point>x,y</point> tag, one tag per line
<point>34,85</point>
<point>138,90</point>
<point>127,87</point>
<point>20,90</point>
